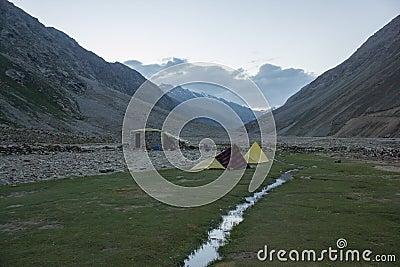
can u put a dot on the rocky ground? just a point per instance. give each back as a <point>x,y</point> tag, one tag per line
<point>12,135</point>
<point>22,162</point>
<point>358,148</point>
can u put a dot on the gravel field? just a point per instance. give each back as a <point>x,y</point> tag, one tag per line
<point>23,162</point>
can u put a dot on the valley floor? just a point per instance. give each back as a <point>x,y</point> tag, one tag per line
<point>22,161</point>
<point>325,202</point>
<point>109,220</point>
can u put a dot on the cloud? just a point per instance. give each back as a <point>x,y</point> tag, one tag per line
<point>148,70</point>
<point>277,84</point>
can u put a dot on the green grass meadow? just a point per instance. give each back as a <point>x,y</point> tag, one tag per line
<point>350,200</point>
<point>107,220</point>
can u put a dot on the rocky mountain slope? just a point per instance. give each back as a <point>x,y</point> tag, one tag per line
<point>358,98</point>
<point>49,82</point>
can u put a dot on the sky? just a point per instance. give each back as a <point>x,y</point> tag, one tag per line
<point>306,35</point>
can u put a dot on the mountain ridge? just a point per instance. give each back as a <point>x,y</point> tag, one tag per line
<point>182,94</point>
<point>49,82</point>
<point>358,98</point>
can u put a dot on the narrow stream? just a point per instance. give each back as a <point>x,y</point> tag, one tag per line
<point>218,237</point>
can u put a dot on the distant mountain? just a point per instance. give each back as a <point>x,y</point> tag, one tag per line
<point>358,98</point>
<point>181,94</point>
<point>48,81</point>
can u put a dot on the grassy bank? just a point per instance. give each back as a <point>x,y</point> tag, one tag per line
<point>105,220</point>
<point>351,200</point>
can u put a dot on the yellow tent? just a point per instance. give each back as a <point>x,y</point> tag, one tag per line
<point>210,163</point>
<point>255,155</point>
